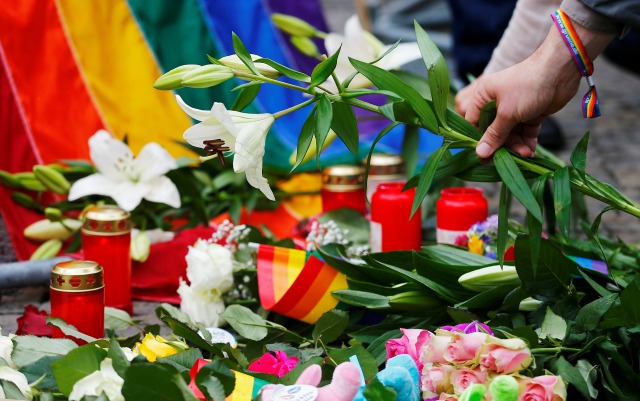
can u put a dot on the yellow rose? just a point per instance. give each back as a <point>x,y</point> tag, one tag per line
<point>154,347</point>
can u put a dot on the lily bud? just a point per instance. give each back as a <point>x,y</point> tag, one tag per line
<point>47,250</point>
<point>305,45</point>
<point>206,76</point>
<point>53,214</point>
<point>9,180</point>
<point>173,79</point>
<point>52,179</point>
<point>293,25</point>
<point>24,200</point>
<point>44,230</point>
<point>234,62</point>
<point>30,182</point>
<point>140,246</point>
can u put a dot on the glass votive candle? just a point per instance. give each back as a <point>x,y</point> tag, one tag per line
<point>343,186</point>
<point>106,239</point>
<point>391,227</point>
<point>77,297</point>
<point>384,167</point>
<point>457,210</point>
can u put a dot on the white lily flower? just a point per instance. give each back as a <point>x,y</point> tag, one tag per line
<point>127,179</point>
<point>17,378</point>
<point>105,380</point>
<point>359,44</point>
<point>243,133</point>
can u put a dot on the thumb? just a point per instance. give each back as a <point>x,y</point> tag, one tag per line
<point>494,137</point>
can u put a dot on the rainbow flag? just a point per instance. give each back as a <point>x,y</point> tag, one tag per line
<point>296,283</point>
<point>246,389</point>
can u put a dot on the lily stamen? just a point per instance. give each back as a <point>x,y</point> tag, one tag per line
<point>216,147</point>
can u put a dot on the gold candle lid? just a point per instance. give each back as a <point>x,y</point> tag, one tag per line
<point>344,177</point>
<point>385,165</point>
<point>106,220</point>
<point>77,276</point>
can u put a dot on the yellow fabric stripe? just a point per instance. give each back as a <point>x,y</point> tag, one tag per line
<point>243,389</point>
<point>120,70</point>
<point>328,301</point>
<point>296,264</point>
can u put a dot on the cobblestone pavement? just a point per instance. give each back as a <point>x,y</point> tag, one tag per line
<point>613,157</point>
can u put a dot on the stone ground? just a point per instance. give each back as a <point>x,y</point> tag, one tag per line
<point>613,155</point>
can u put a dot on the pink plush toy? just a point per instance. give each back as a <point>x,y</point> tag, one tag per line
<point>343,387</point>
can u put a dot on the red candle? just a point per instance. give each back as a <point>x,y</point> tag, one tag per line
<point>106,239</point>
<point>343,186</point>
<point>77,297</point>
<point>391,227</point>
<point>457,210</point>
<point>384,167</point>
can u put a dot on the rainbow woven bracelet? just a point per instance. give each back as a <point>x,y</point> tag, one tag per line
<point>590,102</point>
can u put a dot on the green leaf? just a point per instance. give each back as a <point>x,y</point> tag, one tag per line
<point>183,361</point>
<point>534,225</point>
<point>455,256</point>
<point>590,374</point>
<point>345,125</point>
<point>503,223</point>
<point>305,138</point>
<point>438,73</point>
<point>375,390</point>
<point>165,309</point>
<point>116,319</point>
<point>426,177</point>
<point>409,151</point>
<point>68,329</point>
<point>11,391</point>
<point>630,299</point>
<point>351,93</point>
<point>579,154</point>
<point>488,299</point>
<point>515,181</point>
<point>351,220</point>
<point>386,81</point>
<point>120,361</point>
<point>245,97</point>
<point>216,380</point>
<point>155,382</point>
<point>41,367</point>
<point>553,326</point>
<point>245,322</point>
<point>284,70</point>
<point>243,54</point>
<point>562,200</point>
<point>77,364</point>
<point>335,256</point>
<point>378,348</point>
<point>28,349</point>
<point>361,298</point>
<point>572,375</point>
<point>589,315</point>
<point>324,115</point>
<point>323,71</point>
<point>187,332</point>
<point>487,115</point>
<point>381,135</point>
<point>330,326</point>
<point>366,360</point>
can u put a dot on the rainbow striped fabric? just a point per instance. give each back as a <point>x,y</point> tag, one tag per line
<point>296,283</point>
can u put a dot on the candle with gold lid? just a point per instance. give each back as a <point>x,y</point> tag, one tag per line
<point>384,167</point>
<point>106,239</point>
<point>77,297</point>
<point>343,186</point>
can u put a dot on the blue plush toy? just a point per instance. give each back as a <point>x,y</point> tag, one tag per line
<point>400,373</point>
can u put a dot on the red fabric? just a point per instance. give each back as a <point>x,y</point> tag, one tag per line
<point>192,373</point>
<point>158,278</point>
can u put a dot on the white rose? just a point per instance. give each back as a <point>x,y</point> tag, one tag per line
<point>201,305</point>
<point>105,380</point>
<point>210,266</point>
<point>6,347</point>
<point>17,378</point>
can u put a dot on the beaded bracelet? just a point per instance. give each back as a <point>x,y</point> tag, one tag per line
<point>590,103</point>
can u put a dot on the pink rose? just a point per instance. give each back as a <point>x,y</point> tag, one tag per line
<point>463,377</point>
<point>543,388</point>
<point>278,365</point>
<point>472,327</point>
<point>505,356</point>
<point>434,350</point>
<point>436,379</point>
<point>410,343</point>
<point>464,348</point>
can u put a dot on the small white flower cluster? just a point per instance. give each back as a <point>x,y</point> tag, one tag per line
<point>326,233</point>
<point>230,236</point>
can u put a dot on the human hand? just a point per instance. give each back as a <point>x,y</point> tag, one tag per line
<point>464,96</point>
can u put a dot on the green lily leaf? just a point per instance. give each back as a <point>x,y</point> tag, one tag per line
<point>245,97</point>
<point>284,70</point>
<point>426,176</point>
<point>324,115</point>
<point>487,115</point>
<point>243,54</point>
<point>455,256</point>
<point>410,148</point>
<point>304,140</point>
<point>381,135</point>
<point>345,125</point>
<point>503,222</point>
<point>579,154</point>
<point>515,181</point>
<point>361,298</point>
<point>323,71</point>
<point>438,73</point>
<point>562,200</point>
<point>490,299</point>
<point>535,226</point>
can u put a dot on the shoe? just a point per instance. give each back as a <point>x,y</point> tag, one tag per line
<point>551,136</point>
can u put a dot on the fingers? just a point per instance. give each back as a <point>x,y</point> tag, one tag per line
<point>463,98</point>
<point>494,137</point>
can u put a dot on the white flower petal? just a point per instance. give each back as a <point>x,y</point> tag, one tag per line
<point>220,113</point>
<point>153,161</point>
<point>256,180</point>
<point>94,184</point>
<point>401,55</point>
<point>163,190</point>
<point>17,378</point>
<point>128,195</point>
<point>192,112</point>
<point>108,153</point>
<point>104,380</point>
<point>332,43</point>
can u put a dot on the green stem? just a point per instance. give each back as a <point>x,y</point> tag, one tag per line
<point>293,108</point>
<point>554,350</point>
<point>337,81</point>
<point>262,78</point>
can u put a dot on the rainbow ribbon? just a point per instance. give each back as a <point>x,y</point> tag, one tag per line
<point>296,283</point>
<point>590,102</point>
